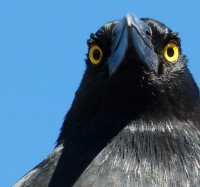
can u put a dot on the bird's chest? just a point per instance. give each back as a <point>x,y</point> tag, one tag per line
<point>145,157</point>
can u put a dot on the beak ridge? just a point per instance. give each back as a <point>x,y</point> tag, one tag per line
<point>130,31</point>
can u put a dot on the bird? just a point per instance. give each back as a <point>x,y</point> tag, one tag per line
<point>135,119</point>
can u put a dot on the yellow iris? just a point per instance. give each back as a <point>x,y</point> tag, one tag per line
<point>95,54</point>
<point>171,52</point>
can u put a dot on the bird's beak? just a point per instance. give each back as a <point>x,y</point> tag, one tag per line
<point>132,33</point>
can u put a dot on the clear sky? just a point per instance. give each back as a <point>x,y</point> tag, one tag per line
<point>42,52</point>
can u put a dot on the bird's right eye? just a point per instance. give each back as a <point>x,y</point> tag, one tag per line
<point>95,54</point>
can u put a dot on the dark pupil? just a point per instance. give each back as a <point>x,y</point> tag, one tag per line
<point>170,52</point>
<point>96,54</point>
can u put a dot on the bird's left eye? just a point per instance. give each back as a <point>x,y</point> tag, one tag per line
<point>95,54</point>
<point>171,52</point>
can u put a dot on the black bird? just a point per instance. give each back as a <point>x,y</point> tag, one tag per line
<point>135,119</point>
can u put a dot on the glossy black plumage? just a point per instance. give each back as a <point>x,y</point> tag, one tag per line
<point>132,126</point>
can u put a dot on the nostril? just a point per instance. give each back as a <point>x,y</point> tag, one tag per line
<point>148,33</point>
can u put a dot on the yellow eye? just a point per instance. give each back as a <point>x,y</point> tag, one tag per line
<point>171,52</point>
<point>95,54</point>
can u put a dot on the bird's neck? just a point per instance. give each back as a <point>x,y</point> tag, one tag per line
<point>99,115</point>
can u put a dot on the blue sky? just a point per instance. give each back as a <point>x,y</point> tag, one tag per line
<point>42,52</point>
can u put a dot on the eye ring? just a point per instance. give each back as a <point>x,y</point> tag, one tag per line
<point>171,52</point>
<point>95,54</point>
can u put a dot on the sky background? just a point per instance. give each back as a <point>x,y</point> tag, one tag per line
<point>42,52</point>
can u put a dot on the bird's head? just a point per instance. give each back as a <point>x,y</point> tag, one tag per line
<point>134,66</point>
